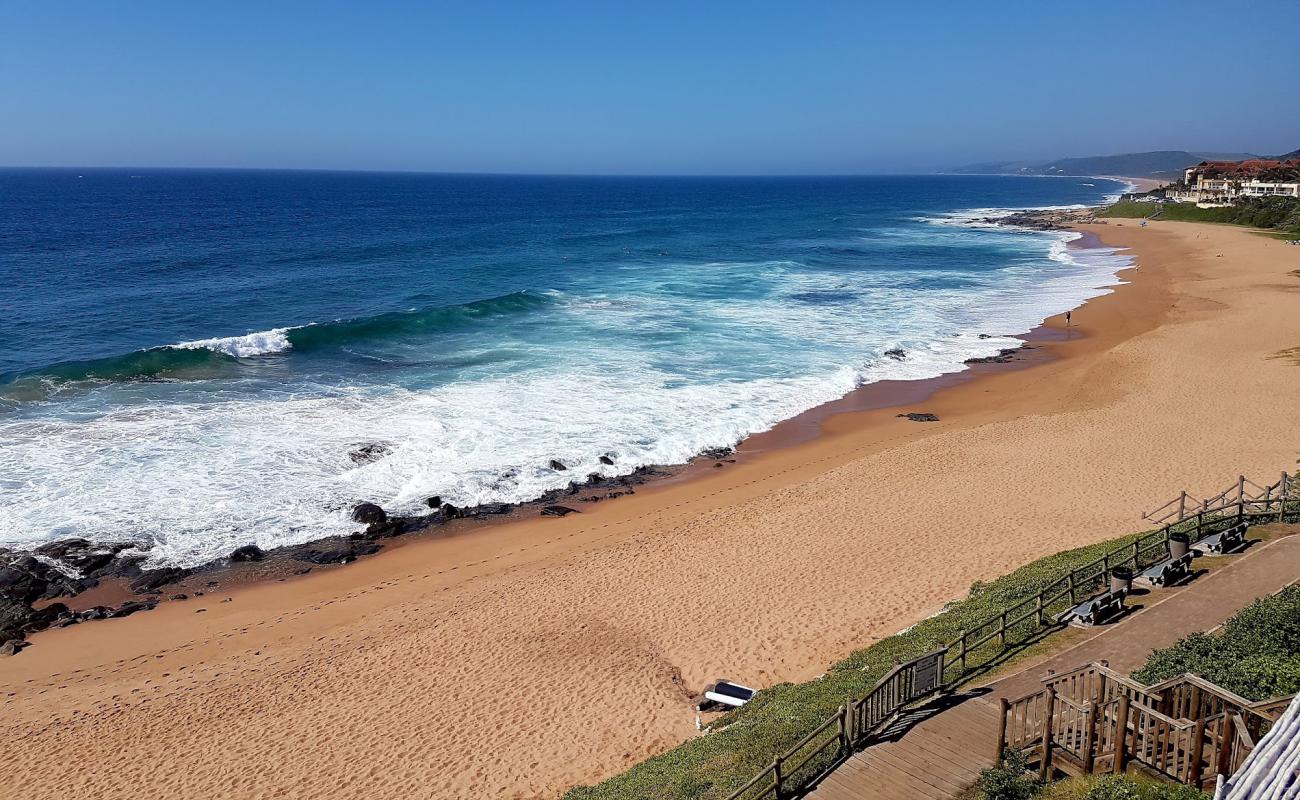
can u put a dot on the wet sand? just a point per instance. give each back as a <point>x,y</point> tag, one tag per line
<point>530,656</point>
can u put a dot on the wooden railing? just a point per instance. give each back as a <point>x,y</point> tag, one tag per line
<point>1092,719</point>
<point>855,724</point>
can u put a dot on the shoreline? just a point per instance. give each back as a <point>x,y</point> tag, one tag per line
<point>764,571</point>
<point>116,588</point>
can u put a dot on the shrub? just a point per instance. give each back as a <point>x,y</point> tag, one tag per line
<point>1256,654</point>
<point>1008,780</point>
<point>1119,787</point>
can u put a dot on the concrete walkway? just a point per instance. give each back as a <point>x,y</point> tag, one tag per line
<point>938,750</point>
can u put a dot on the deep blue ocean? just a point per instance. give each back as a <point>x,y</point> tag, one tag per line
<point>189,357</point>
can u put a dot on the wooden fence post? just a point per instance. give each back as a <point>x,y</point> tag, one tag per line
<point>1121,735</point>
<point>1038,605</point>
<point>846,745</point>
<point>1045,763</point>
<point>1002,733</point>
<point>776,771</point>
<point>1198,752</point>
<point>1182,506</point>
<point>1089,738</point>
<point>1002,629</point>
<point>1070,583</point>
<point>1227,741</point>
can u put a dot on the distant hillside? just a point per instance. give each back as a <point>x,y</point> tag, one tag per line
<point>1166,164</point>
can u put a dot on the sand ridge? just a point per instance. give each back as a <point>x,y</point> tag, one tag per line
<point>520,660</point>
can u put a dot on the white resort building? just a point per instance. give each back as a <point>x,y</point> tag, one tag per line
<point>1220,183</point>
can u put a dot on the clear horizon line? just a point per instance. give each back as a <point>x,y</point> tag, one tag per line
<point>506,174</point>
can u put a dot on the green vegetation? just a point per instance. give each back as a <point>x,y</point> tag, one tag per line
<point>1256,653</point>
<point>1271,213</point>
<point>1121,787</point>
<point>1011,782</point>
<point>743,742</point>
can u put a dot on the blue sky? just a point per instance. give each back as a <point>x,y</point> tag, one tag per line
<point>655,87</point>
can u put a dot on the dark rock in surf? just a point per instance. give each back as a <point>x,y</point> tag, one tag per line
<point>94,612</point>
<point>492,509</point>
<point>714,453</point>
<point>451,512</point>
<point>367,453</point>
<point>558,465</point>
<point>369,514</point>
<point>132,606</point>
<point>558,511</point>
<point>335,551</point>
<point>249,552</point>
<point>383,530</point>
<point>155,579</point>
<point>434,502</point>
<point>920,417</point>
<point>27,579</point>
<point>607,461</point>
<point>1003,356</point>
<point>897,353</point>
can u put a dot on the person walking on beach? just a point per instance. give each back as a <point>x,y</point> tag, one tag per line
<point>1068,314</point>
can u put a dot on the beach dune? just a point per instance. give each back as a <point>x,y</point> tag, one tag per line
<point>524,658</point>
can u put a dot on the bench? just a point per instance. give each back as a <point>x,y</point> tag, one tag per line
<point>1224,542</point>
<point>1098,609</point>
<point>1168,572</point>
<point>726,693</point>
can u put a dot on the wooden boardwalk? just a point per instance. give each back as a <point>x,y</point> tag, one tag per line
<point>938,750</point>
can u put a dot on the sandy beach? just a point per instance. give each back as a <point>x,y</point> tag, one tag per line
<point>528,657</point>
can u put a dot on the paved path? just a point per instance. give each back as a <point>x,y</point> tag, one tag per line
<point>939,750</point>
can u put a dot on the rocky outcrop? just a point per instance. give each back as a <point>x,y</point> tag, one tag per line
<point>921,416</point>
<point>152,580</point>
<point>338,550</point>
<point>1004,356</point>
<point>558,511</point>
<point>366,453</point>
<point>369,514</point>
<point>249,552</point>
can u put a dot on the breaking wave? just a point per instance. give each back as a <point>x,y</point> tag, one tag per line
<point>216,356</point>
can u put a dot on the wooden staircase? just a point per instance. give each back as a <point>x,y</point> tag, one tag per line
<point>1093,719</point>
<point>943,755</point>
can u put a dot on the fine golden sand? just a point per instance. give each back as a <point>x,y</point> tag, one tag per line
<point>523,658</point>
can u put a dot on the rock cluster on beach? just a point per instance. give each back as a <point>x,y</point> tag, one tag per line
<point>64,569</point>
<point>1045,219</point>
<point>32,582</point>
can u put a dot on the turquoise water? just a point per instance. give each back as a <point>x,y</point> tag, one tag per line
<point>190,356</point>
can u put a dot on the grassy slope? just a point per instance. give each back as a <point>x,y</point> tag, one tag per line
<point>1179,212</point>
<point>744,741</point>
<point>713,766</point>
<point>1278,214</point>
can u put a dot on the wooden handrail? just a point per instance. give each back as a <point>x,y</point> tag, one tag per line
<point>885,700</point>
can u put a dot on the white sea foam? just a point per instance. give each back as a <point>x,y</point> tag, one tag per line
<point>260,343</point>
<point>200,478</point>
